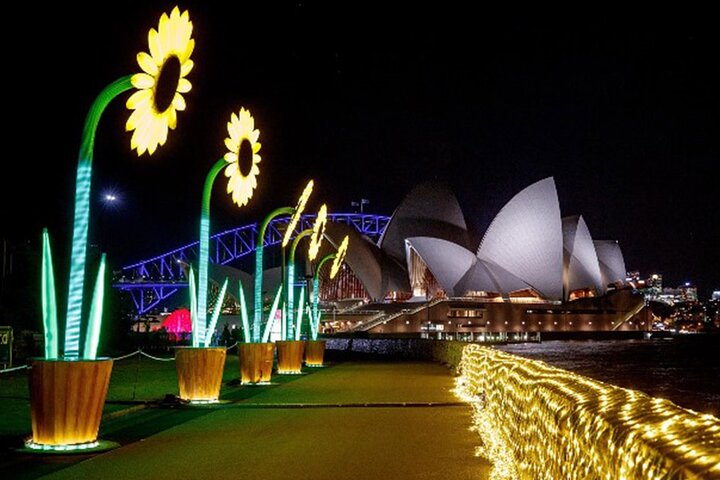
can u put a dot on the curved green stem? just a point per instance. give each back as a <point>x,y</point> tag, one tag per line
<point>290,291</point>
<point>316,295</point>
<point>204,254</point>
<point>260,245</point>
<point>78,254</point>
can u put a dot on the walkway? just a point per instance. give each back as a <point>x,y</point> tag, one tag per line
<point>316,427</point>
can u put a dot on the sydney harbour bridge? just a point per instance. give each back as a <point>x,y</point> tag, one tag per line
<point>152,281</point>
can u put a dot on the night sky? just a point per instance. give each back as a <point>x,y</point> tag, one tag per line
<point>624,113</point>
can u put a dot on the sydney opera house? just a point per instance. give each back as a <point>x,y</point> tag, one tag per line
<point>534,270</point>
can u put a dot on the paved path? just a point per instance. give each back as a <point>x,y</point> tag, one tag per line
<point>269,436</point>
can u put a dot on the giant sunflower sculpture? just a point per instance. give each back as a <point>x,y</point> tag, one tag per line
<point>298,211</point>
<point>242,157</point>
<point>162,83</point>
<point>339,257</point>
<point>318,232</point>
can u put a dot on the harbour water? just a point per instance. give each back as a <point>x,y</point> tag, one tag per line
<point>684,369</point>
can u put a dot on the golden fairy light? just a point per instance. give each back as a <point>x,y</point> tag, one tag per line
<point>540,422</point>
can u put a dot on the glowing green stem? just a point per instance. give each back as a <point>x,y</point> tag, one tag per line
<point>271,318</point>
<point>290,292</point>
<point>78,253</point>
<point>298,317</point>
<point>204,251</point>
<point>244,315</point>
<point>193,307</point>
<point>316,295</point>
<point>260,245</point>
<point>313,329</point>
<point>215,314</point>
<point>49,301</point>
<point>92,336</point>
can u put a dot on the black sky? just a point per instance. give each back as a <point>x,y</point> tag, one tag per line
<point>623,112</point>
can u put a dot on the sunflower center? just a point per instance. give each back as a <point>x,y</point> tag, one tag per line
<point>245,157</point>
<point>167,83</point>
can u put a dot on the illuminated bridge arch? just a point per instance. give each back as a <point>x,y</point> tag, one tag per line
<point>152,281</point>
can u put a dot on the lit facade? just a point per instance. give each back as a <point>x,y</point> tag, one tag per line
<point>528,247</point>
<point>532,271</point>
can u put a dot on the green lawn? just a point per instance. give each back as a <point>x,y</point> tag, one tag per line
<point>136,379</point>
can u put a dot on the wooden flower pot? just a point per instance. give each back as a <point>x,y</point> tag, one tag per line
<point>66,399</point>
<point>290,356</point>
<point>256,361</point>
<point>314,353</point>
<point>200,372</point>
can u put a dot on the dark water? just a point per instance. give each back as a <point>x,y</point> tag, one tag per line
<point>685,369</point>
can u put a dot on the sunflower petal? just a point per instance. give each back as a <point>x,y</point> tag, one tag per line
<point>185,55</point>
<point>162,133</point>
<point>234,134</point>
<point>135,119</point>
<point>164,23</point>
<point>179,102</point>
<point>256,147</point>
<point>186,67</point>
<point>257,158</point>
<point>171,118</point>
<point>139,99</point>
<point>141,138</point>
<point>155,51</point>
<point>231,157</point>
<point>230,145</point>
<point>142,80</point>
<point>254,136</point>
<point>135,143</point>
<point>184,86</point>
<point>164,35</point>
<point>147,64</point>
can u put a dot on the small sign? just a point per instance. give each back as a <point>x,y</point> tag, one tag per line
<point>6,341</point>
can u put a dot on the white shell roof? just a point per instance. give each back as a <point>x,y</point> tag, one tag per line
<point>429,210</point>
<point>612,263</point>
<point>580,260</point>
<point>525,239</point>
<point>447,261</point>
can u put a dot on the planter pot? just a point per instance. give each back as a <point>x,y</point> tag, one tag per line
<point>66,400</point>
<point>314,353</point>
<point>290,356</point>
<point>200,372</point>
<point>256,361</point>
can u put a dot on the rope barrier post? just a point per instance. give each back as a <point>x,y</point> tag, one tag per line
<point>137,373</point>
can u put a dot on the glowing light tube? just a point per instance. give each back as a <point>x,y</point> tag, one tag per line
<point>81,220</point>
<point>247,335</point>
<point>49,302</point>
<point>316,295</point>
<point>291,275</point>
<point>260,245</point>
<point>92,336</point>
<point>298,319</point>
<point>204,251</point>
<point>215,314</point>
<point>193,308</point>
<point>271,318</point>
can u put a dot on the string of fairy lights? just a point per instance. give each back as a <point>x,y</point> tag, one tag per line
<point>540,422</point>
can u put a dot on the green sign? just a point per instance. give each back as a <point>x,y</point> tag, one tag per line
<point>6,339</point>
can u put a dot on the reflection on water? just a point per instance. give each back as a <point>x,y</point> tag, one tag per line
<point>684,369</point>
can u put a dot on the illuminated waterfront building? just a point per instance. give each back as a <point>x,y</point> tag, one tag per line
<point>533,270</point>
